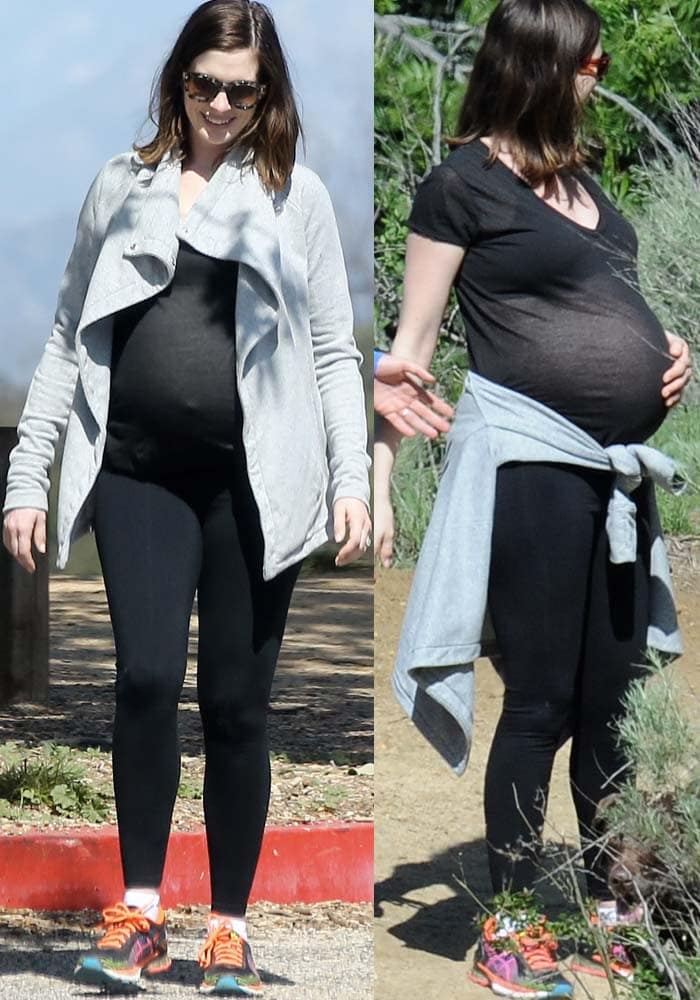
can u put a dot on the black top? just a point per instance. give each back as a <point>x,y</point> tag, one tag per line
<point>173,400</point>
<point>552,309</point>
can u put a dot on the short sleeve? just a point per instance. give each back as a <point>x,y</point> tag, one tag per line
<point>443,209</point>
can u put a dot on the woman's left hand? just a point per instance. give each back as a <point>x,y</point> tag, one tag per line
<point>351,520</point>
<point>676,378</point>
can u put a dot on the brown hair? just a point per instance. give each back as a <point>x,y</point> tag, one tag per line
<point>523,86</point>
<point>228,25</point>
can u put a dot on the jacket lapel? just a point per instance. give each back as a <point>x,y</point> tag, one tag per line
<point>157,216</point>
<point>233,218</point>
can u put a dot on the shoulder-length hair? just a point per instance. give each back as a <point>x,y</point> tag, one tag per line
<point>227,25</point>
<point>522,89</point>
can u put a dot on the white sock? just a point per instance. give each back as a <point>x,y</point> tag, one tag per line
<point>608,913</point>
<point>237,924</point>
<point>146,900</point>
<point>509,925</point>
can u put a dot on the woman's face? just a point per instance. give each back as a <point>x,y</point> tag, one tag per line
<point>215,124</point>
<point>585,85</point>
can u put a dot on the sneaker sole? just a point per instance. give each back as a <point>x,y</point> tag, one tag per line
<point>597,970</point>
<point>503,989</point>
<point>228,986</point>
<point>91,972</point>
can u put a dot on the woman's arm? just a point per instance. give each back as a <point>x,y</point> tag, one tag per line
<point>52,388</point>
<point>50,395</point>
<point>337,368</point>
<point>430,272</point>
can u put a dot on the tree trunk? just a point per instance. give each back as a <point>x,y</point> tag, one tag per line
<point>24,613</point>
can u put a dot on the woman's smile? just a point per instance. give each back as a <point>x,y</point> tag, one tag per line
<point>220,123</point>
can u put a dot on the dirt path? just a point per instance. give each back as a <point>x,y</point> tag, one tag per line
<point>429,827</point>
<point>321,721</point>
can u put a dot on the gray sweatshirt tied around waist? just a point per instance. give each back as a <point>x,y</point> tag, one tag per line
<point>446,626</point>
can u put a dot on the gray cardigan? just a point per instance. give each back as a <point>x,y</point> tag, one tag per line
<point>297,363</point>
<point>446,626</point>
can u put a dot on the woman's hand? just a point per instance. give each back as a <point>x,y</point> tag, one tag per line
<point>676,378</point>
<point>383,531</point>
<point>351,520</point>
<point>20,527</point>
<point>404,403</point>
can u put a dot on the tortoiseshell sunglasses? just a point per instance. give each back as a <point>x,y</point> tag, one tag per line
<point>597,67</point>
<point>241,94</point>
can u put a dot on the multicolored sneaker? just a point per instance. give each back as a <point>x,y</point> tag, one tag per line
<point>229,969</point>
<point>130,945</point>
<point>619,959</point>
<point>519,963</point>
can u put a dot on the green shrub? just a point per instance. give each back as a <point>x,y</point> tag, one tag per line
<point>53,781</point>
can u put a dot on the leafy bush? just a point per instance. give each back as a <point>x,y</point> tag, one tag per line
<point>662,199</point>
<point>53,780</point>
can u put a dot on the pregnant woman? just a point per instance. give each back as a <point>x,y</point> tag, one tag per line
<point>203,359</point>
<point>544,547</point>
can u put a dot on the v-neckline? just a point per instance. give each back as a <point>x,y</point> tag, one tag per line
<point>595,231</point>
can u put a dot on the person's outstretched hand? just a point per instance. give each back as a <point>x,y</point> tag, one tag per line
<point>677,377</point>
<point>20,527</point>
<point>352,525</point>
<point>404,403</point>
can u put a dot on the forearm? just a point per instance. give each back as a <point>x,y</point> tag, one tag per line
<point>343,403</point>
<point>43,418</point>
<point>335,353</point>
<point>415,344</point>
<point>386,446</point>
<point>53,385</point>
<point>430,271</point>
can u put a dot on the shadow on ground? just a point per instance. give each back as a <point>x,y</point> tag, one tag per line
<point>447,926</point>
<point>58,963</point>
<point>322,702</point>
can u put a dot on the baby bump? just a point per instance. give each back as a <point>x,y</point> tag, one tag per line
<point>605,377</point>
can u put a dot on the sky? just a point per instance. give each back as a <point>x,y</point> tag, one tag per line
<point>77,83</point>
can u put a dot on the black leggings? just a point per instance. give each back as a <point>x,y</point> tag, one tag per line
<point>158,542</point>
<point>572,631</point>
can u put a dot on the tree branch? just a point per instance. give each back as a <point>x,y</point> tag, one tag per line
<point>437,111</point>
<point>652,128</point>
<point>444,27</point>
<point>390,25</point>
<point>397,26</point>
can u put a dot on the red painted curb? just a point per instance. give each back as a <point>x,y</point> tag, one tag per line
<point>77,868</point>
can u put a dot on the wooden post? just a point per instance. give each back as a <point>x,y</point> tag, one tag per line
<point>24,613</point>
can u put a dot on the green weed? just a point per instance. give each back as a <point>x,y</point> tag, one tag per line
<point>189,790</point>
<point>52,780</point>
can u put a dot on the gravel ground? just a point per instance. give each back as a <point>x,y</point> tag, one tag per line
<point>322,952</point>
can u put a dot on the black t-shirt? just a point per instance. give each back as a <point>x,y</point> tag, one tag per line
<point>552,309</point>
<point>174,404</point>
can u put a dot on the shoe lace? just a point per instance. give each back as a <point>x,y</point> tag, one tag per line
<point>119,923</point>
<point>618,953</point>
<point>222,945</point>
<point>539,947</point>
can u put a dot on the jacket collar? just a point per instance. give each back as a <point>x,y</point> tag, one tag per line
<point>233,218</point>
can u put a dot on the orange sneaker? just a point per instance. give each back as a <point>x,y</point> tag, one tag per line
<point>131,944</point>
<point>519,962</point>
<point>229,969</point>
<point>618,957</point>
